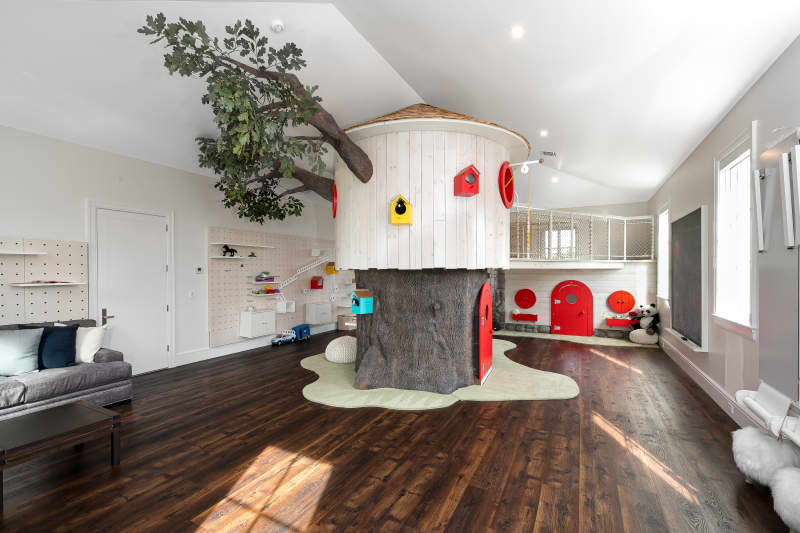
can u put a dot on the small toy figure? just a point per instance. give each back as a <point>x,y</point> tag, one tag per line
<point>227,250</point>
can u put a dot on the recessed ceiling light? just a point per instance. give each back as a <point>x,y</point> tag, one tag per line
<point>554,179</point>
<point>517,32</point>
<point>543,133</point>
<point>277,26</point>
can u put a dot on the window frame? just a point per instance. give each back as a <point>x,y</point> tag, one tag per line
<point>664,209</point>
<point>731,153</point>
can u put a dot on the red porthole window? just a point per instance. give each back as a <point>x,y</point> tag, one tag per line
<point>505,181</point>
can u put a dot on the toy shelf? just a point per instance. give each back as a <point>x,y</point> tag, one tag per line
<point>22,253</point>
<point>618,322</point>
<point>242,245</point>
<point>263,295</point>
<point>59,284</point>
<point>229,257</point>
<point>263,282</point>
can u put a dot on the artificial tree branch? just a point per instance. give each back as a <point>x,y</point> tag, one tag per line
<point>353,156</point>
<point>255,99</point>
<point>301,188</point>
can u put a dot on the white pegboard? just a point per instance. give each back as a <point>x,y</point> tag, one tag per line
<point>61,261</point>
<point>228,279</point>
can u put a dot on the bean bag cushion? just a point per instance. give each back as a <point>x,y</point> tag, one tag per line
<point>341,350</point>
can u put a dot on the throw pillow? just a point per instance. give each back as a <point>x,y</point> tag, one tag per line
<point>19,351</point>
<point>87,343</point>
<point>57,347</point>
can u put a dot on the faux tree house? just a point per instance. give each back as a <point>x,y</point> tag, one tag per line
<point>426,275</point>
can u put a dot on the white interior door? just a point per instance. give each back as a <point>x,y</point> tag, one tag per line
<point>133,286</point>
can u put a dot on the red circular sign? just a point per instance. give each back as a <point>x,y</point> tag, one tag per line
<point>335,198</point>
<point>525,298</point>
<point>621,301</point>
<point>505,182</point>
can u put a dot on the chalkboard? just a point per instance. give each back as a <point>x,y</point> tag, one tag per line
<point>686,277</point>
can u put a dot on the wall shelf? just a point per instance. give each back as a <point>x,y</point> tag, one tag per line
<point>242,245</point>
<point>229,257</point>
<point>264,295</point>
<point>263,282</point>
<point>22,253</point>
<point>59,284</point>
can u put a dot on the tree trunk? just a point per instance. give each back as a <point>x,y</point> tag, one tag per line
<point>422,332</point>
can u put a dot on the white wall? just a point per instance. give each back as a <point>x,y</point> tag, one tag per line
<point>45,183</point>
<point>638,278</point>
<point>733,359</point>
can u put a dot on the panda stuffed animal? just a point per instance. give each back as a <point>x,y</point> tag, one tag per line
<point>649,319</point>
<point>647,331</point>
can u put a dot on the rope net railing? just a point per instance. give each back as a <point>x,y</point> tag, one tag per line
<point>551,235</point>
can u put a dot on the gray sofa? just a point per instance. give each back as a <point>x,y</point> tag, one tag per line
<point>104,382</point>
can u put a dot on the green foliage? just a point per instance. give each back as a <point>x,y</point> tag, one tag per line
<point>254,98</point>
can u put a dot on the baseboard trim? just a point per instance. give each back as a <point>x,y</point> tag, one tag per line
<point>202,354</point>
<point>721,397</point>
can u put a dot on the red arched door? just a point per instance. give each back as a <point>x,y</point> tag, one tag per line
<point>485,332</point>
<point>571,309</point>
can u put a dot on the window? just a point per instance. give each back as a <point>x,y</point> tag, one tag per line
<point>732,292</point>
<point>663,255</point>
<point>560,243</point>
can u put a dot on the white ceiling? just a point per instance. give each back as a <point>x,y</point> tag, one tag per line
<point>86,76</point>
<point>626,89</point>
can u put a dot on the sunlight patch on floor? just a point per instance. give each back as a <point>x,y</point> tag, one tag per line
<point>652,463</point>
<point>279,491</point>
<point>614,360</point>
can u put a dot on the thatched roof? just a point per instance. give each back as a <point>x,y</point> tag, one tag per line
<point>425,111</point>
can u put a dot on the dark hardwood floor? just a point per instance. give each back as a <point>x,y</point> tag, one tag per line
<point>231,445</point>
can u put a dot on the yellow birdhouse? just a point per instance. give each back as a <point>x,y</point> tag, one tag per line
<point>402,211</point>
<point>330,268</point>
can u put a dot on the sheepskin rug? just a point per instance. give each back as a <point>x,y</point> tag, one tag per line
<point>786,495</point>
<point>759,456</point>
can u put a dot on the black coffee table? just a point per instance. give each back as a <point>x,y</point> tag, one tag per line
<point>33,435</point>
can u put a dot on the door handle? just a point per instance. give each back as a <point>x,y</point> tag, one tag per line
<point>105,316</point>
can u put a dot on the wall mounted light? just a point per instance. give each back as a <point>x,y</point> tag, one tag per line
<point>525,164</point>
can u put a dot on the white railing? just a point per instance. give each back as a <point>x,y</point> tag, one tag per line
<point>550,235</point>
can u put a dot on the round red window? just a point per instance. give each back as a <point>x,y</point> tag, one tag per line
<point>525,298</point>
<point>505,182</point>
<point>621,301</point>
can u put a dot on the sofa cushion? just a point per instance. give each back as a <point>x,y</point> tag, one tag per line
<point>54,382</point>
<point>57,348</point>
<point>12,392</point>
<point>107,355</point>
<point>19,351</point>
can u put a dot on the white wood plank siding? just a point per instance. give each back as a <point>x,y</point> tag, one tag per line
<point>380,209</point>
<point>439,202</point>
<point>415,176</point>
<point>404,188</point>
<point>638,278</point>
<point>426,205</point>
<point>448,231</point>
<point>392,190</point>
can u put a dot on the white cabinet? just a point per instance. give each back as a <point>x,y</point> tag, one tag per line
<point>320,313</point>
<point>256,323</point>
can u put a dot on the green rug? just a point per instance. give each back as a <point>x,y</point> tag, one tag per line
<point>507,381</point>
<point>595,341</point>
